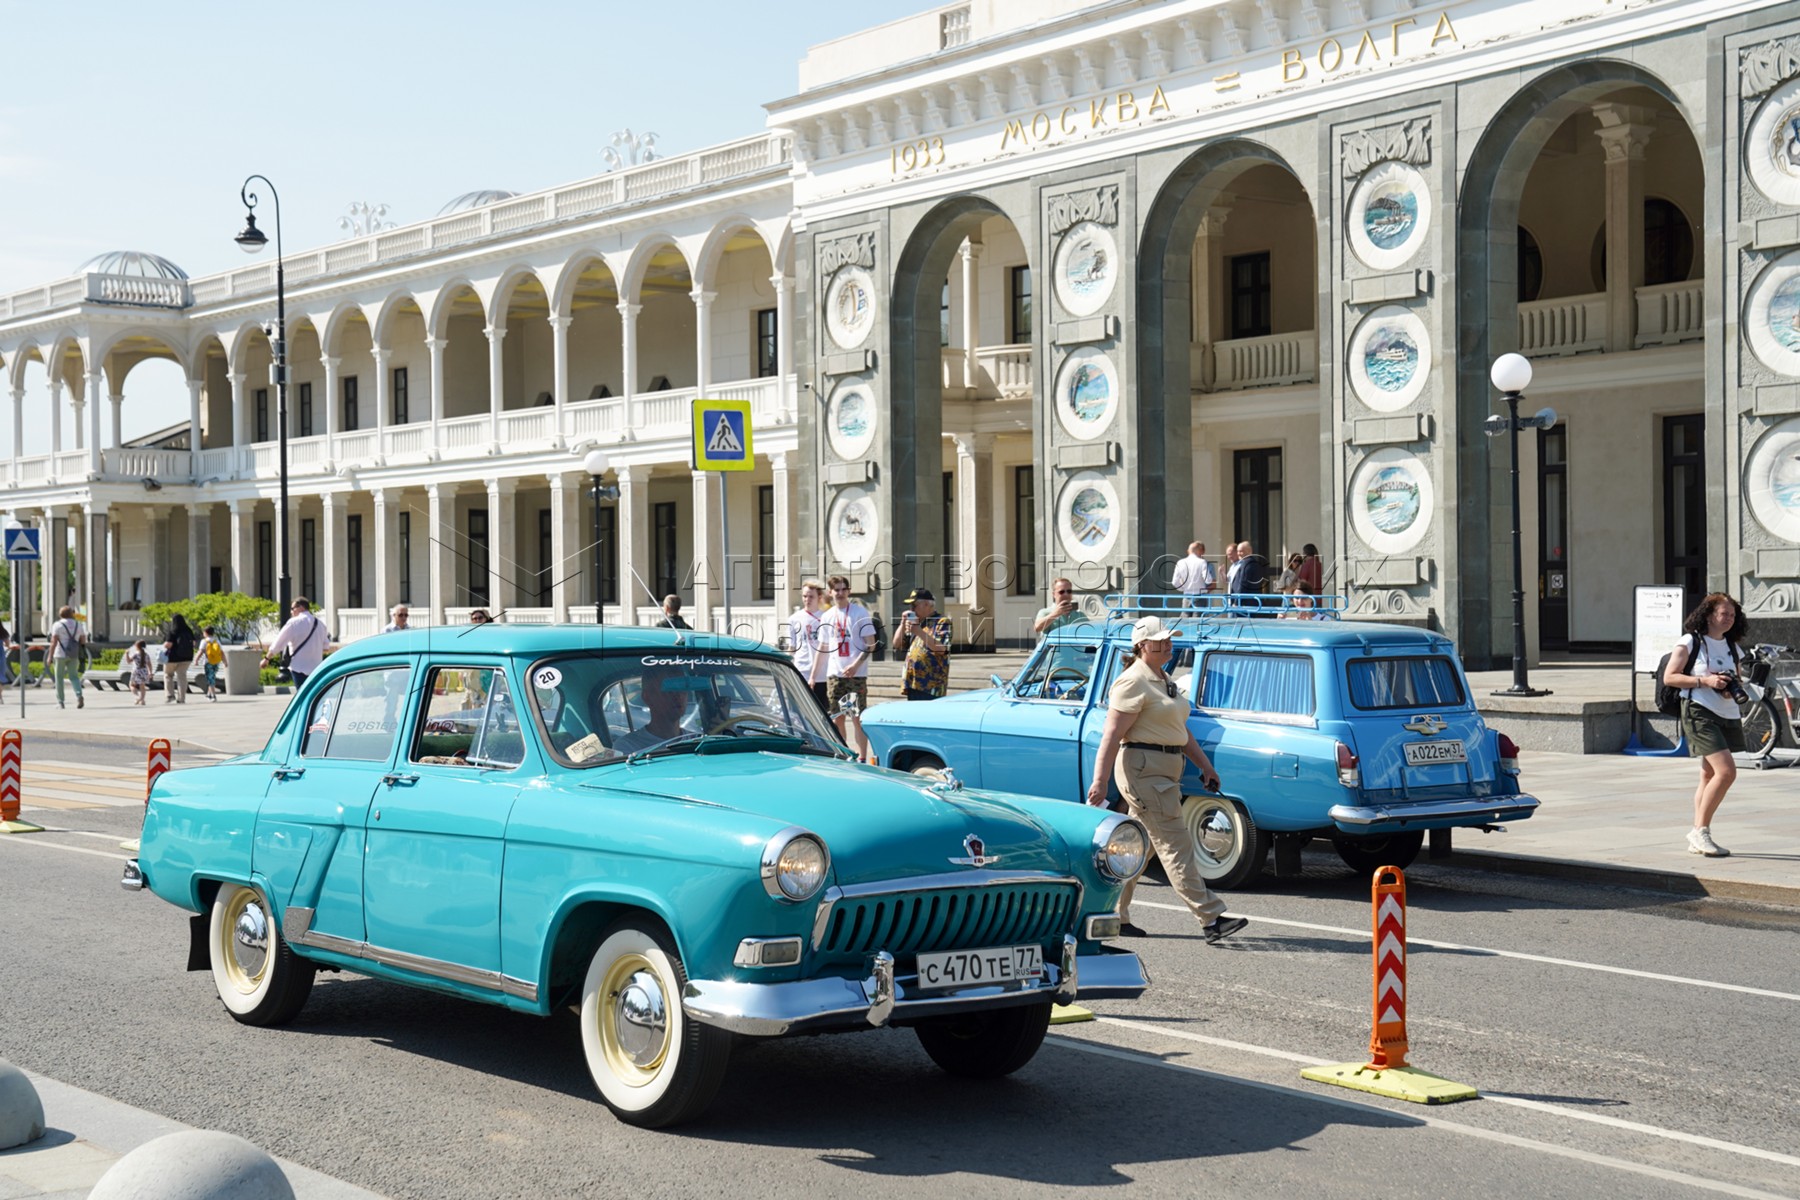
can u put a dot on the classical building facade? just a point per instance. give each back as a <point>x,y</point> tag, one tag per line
<point>1018,289</point>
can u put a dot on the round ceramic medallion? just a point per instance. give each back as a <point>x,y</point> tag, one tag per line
<point>1390,357</point>
<point>1389,214</point>
<point>1772,480</point>
<point>1772,145</point>
<point>850,420</point>
<point>1087,265</point>
<point>1087,392</point>
<point>1772,317</point>
<point>854,526</point>
<point>1391,501</point>
<point>1088,516</point>
<point>850,307</point>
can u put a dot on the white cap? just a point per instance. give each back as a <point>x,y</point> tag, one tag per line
<point>1150,629</point>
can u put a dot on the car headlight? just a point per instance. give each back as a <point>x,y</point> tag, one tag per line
<point>1121,848</point>
<point>794,864</point>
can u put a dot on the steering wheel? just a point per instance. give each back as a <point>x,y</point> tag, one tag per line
<point>760,721</point>
<point>1075,673</point>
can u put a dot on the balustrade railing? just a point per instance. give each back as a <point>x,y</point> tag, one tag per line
<point>306,452</point>
<point>588,418</point>
<point>1004,372</point>
<point>73,464</point>
<point>663,411</point>
<point>353,623</point>
<point>137,462</point>
<point>221,462</point>
<point>358,445</point>
<point>408,440</point>
<point>1668,313</point>
<point>527,425</point>
<point>1272,361</point>
<point>464,433</point>
<point>1566,325</point>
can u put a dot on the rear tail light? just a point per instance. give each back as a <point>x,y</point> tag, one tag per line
<point>1349,767</point>
<point>1509,755</point>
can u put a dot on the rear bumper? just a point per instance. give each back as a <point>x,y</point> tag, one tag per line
<point>1431,814</point>
<point>813,1005</point>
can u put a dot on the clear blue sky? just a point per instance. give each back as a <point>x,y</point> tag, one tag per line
<point>131,126</point>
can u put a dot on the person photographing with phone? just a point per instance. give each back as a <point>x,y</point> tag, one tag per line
<point>924,638</point>
<point>1062,609</point>
<point>1143,744</point>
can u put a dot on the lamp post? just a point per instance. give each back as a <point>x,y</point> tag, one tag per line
<point>253,240</point>
<point>596,463</point>
<point>1511,374</point>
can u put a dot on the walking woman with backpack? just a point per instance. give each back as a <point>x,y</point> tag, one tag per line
<point>178,656</point>
<point>68,643</point>
<point>1704,665</point>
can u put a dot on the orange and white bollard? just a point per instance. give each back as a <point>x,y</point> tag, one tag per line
<point>1386,1073</point>
<point>159,762</point>
<point>12,787</point>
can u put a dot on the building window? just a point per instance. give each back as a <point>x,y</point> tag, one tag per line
<point>1024,548</point>
<point>216,579</point>
<point>1250,316</point>
<point>478,557</point>
<point>309,574</point>
<point>768,351</point>
<point>305,410</point>
<point>765,542</point>
<point>406,558</point>
<point>353,561</point>
<point>546,559</point>
<point>663,535</point>
<point>1020,318</point>
<point>1531,267</point>
<point>1257,500</point>
<point>950,564</point>
<point>400,414</point>
<point>262,415</point>
<point>350,406</point>
<point>265,559</point>
<point>609,554</point>
<point>944,315</point>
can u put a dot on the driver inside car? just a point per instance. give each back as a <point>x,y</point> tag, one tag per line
<point>667,708</point>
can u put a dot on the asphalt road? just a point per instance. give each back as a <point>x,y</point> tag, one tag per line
<point>1626,1044</point>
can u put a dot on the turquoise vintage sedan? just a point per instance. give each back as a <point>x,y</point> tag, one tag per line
<point>657,827</point>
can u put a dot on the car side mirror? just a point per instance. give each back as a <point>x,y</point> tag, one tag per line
<point>999,682</point>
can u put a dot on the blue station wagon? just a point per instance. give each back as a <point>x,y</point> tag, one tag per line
<point>1319,727</point>
<point>657,828</point>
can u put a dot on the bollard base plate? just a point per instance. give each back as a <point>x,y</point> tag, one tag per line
<point>1069,1014</point>
<point>20,827</point>
<point>1398,1083</point>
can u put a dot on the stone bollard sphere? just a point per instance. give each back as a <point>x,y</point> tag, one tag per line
<point>196,1164</point>
<point>21,1112</point>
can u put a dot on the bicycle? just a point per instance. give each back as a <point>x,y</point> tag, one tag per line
<point>1761,715</point>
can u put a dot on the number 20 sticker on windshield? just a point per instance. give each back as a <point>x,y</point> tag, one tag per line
<point>546,678</point>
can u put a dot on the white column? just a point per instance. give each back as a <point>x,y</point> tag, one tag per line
<point>18,395</point>
<point>1206,287</point>
<point>243,545</point>
<point>385,563</point>
<point>971,303</point>
<point>500,541</point>
<point>95,381</point>
<point>702,338</point>
<point>50,575</point>
<point>382,400</point>
<point>240,421</point>
<point>76,407</point>
<point>199,534</point>
<point>332,400</point>
<point>1624,131</point>
<point>98,560</point>
<point>331,512</point>
<point>559,565</point>
<point>634,542</point>
<point>442,564</point>
<point>496,335</point>
<point>702,526</point>
<point>194,387</point>
<point>559,377</point>
<point>974,532</point>
<point>786,590</point>
<point>55,415</point>
<point>435,346</point>
<point>628,315</point>
<point>118,418</point>
<point>784,336</point>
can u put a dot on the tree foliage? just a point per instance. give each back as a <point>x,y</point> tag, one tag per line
<point>233,615</point>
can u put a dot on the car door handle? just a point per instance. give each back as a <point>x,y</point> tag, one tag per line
<point>394,778</point>
<point>1070,712</point>
<point>289,772</point>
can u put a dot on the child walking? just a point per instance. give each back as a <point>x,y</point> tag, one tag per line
<point>212,656</point>
<point>138,659</point>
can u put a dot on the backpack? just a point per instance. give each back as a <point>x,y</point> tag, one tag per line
<point>215,653</point>
<point>1668,697</point>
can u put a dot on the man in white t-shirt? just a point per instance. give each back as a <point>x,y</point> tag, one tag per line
<point>846,635</point>
<point>1193,575</point>
<point>803,640</point>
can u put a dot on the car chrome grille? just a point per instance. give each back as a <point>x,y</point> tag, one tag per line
<point>949,918</point>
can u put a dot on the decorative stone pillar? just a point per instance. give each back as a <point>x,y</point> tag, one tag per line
<point>56,444</point>
<point>95,381</point>
<point>332,400</point>
<point>199,549</point>
<point>195,387</point>
<point>332,510</point>
<point>243,545</point>
<point>559,567</point>
<point>18,398</point>
<point>53,544</point>
<point>118,418</point>
<point>559,379</point>
<point>386,565</point>
<point>975,534</point>
<point>442,566</point>
<point>77,406</point>
<point>496,335</point>
<point>786,585</point>
<point>705,557</point>
<point>970,255</point>
<point>1624,131</point>
<point>628,315</point>
<point>239,421</point>
<point>702,338</point>
<point>634,542</point>
<point>1207,287</point>
<point>500,537</point>
<point>383,398</point>
<point>435,346</point>
<point>784,341</point>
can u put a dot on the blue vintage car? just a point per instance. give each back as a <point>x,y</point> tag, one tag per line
<point>658,827</point>
<point>1362,733</point>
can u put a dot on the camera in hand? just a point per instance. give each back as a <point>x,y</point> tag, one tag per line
<point>1733,688</point>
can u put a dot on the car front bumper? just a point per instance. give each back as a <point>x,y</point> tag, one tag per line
<point>884,998</point>
<point>1400,816</point>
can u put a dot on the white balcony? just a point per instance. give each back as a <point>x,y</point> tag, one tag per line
<point>996,372</point>
<point>1668,313</point>
<point>1276,360</point>
<point>1566,325</point>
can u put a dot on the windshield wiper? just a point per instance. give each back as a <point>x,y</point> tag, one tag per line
<point>689,741</point>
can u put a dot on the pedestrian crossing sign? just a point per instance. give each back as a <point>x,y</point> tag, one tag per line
<point>722,436</point>
<point>22,545</point>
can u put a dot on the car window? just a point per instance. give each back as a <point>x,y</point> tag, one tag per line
<point>469,719</point>
<point>1411,682</point>
<point>1059,671</point>
<point>1275,684</point>
<point>357,716</point>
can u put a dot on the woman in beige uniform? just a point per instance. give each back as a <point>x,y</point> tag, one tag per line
<point>1146,717</point>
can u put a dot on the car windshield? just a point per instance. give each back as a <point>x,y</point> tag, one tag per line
<point>603,708</point>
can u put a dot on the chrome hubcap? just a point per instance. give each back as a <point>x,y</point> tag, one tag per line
<point>250,939</point>
<point>641,1019</point>
<point>1218,834</point>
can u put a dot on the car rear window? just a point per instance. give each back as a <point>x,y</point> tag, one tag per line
<point>1277,684</point>
<point>1422,682</point>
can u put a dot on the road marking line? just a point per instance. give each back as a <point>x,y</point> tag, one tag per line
<point>38,841</point>
<point>1695,1139</point>
<point>1475,1131</point>
<point>1537,958</point>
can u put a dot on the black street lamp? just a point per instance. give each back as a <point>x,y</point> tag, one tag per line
<point>596,463</point>
<point>1511,374</point>
<point>252,240</point>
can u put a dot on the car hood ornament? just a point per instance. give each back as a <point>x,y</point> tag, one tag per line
<point>974,847</point>
<point>1429,724</point>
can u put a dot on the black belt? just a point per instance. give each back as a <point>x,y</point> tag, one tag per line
<point>1154,746</point>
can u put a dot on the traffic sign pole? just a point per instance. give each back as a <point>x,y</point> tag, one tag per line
<point>22,546</point>
<point>725,543</point>
<point>722,443</point>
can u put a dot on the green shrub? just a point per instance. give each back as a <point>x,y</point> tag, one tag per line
<point>234,615</point>
<point>268,676</point>
<point>108,660</point>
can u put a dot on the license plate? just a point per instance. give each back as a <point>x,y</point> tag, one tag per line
<point>1427,754</point>
<point>972,968</point>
